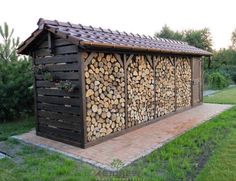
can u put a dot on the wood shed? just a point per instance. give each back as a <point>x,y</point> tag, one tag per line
<point>92,84</point>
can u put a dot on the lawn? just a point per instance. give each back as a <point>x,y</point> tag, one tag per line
<point>206,152</point>
<point>17,127</point>
<point>222,165</point>
<point>227,96</point>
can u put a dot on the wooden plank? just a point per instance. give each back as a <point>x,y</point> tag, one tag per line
<point>56,59</point>
<point>49,84</point>
<point>60,76</point>
<point>35,98</point>
<point>126,91</point>
<point>57,43</point>
<point>202,79</point>
<point>155,86</point>
<point>42,52</point>
<point>150,60</point>
<point>88,60</point>
<point>62,133</point>
<point>175,64</point>
<point>59,100</point>
<point>118,57</point>
<point>69,118</point>
<point>55,137</point>
<point>58,108</point>
<point>129,60</point>
<point>56,92</point>
<point>58,124</point>
<point>50,42</point>
<point>81,66</point>
<point>61,67</point>
<point>66,49</point>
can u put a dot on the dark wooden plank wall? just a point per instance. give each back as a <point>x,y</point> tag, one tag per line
<point>58,111</point>
<point>57,46</point>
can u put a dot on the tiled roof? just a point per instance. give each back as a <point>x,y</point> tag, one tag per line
<point>99,37</point>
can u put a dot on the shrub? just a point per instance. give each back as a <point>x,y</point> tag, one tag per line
<point>217,80</point>
<point>16,97</point>
<point>15,89</point>
<point>231,71</point>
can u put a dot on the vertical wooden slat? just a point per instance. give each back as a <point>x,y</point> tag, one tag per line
<point>155,85</point>
<point>175,89</point>
<point>192,85</point>
<point>50,43</point>
<point>126,90</point>
<point>35,97</point>
<point>202,79</point>
<point>83,100</point>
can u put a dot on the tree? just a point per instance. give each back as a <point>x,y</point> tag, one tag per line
<point>198,38</point>
<point>9,45</point>
<point>16,79</point>
<point>166,32</point>
<point>233,39</point>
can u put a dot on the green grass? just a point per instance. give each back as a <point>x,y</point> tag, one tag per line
<point>181,159</point>
<point>31,163</point>
<point>227,96</point>
<point>16,127</point>
<point>222,165</point>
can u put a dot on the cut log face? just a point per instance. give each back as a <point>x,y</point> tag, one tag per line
<point>165,86</point>
<point>183,83</point>
<point>140,91</point>
<point>105,95</point>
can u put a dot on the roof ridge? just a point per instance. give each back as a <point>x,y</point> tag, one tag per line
<point>42,22</point>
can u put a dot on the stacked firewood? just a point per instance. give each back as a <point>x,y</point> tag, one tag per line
<point>140,91</point>
<point>165,86</point>
<point>183,82</point>
<point>105,96</point>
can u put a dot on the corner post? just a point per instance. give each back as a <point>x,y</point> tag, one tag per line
<point>82,100</point>
<point>35,94</point>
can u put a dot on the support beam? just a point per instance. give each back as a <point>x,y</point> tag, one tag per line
<point>126,90</point>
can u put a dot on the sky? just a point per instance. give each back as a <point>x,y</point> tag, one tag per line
<point>136,16</point>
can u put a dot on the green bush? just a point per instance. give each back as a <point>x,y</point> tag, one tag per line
<point>217,80</point>
<point>230,70</point>
<point>16,95</point>
<point>15,89</point>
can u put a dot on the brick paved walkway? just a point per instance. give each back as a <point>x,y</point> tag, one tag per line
<point>135,144</point>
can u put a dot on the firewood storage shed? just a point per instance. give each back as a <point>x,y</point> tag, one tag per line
<point>92,84</point>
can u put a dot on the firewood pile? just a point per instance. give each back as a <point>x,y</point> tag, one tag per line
<point>140,91</point>
<point>105,96</point>
<point>183,83</point>
<point>165,86</point>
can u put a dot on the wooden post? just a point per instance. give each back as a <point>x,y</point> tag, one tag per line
<point>83,101</point>
<point>126,91</point>
<point>202,78</point>
<point>155,85</point>
<point>175,89</point>
<point>35,96</point>
<point>50,43</point>
<point>192,81</point>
